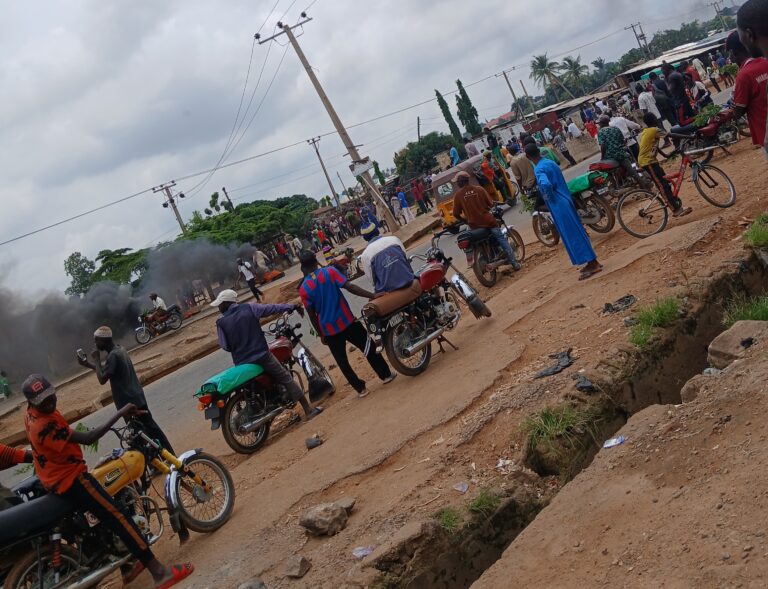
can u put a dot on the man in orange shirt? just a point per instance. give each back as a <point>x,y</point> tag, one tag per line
<point>59,465</point>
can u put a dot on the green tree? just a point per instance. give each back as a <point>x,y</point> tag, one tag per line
<point>124,266</point>
<point>418,157</point>
<point>467,111</point>
<point>544,72</point>
<point>452,126</point>
<point>80,269</point>
<point>574,72</point>
<point>379,175</point>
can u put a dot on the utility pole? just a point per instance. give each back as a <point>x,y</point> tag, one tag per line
<point>640,37</point>
<point>349,196</point>
<point>514,96</point>
<point>716,6</point>
<point>533,106</point>
<point>226,195</point>
<point>170,201</point>
<point>644,39</point>
<point>287,30</point>
<point>313,142</point>
<point>418,127</point>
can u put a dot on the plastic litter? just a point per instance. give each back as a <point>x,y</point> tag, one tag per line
<point>614,442</point>
<point>618,305</point>
<point>712,371</point>
<point>461,487</point>
<point>362,551</point>
<point>564,360</point>
<point>505,466</point>
<point>313,442</point>
<point>583,384</point>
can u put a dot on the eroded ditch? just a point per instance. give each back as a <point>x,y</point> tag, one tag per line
<point>453,559</point>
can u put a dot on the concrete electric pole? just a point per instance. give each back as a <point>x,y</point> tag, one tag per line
<point>287,30</point>
<point>418,128</point>
<point>349,195</point>
<point>170,201</point>
<point>716,6</point>
<point>226,195</point>
<point>518,108</point>
<point>640,37</point>
<point>533,106</point>
<point>313,142</point>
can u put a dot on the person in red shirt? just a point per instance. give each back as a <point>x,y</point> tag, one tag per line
<point>749,94</point>
<point>591,128</point>
<point>687,68</point>
<point>60,466</point>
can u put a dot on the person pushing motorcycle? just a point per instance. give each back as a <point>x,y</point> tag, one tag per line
<point>59,464</point>
<point>472,205</point>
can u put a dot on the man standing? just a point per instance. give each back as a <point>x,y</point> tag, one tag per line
<point>297,246</point>
<point>407,214</point>
<point>574,130</point>
<point>418,195</point>
<point>454,155</point>
<point>698,65</point>
<point>472,204</point>
<point>663,99</point>
<point>749,92</point>
<point>471,148</point>
<point>240,334</point>
<point>332,318</point>
<point>560,145</point>
<point>245,271</point>
<point>645,100</point>
<point>626,127</point>
<point>522,170</point>
<point>126,389</point>
<point>555,192</point>
<point>260,260</point>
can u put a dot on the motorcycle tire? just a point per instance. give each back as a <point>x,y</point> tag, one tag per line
<point>607,216</point>
<point>545,231</point>
<point>318,369</point>
<point>391,347</point>
<point>143,335</point>
<point>517,243</point>
<point>478,307</point>
<point>255,439</point>
<point>203,465</point>
<point>174,321</point>
<point>481,261</point>
<point>25,570</point>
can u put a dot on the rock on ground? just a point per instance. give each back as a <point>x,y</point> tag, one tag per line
<point>297,566</point>
<point>255,583</point>
<point>731,344</point>
<point>347,503</point>
<point>326,519</point>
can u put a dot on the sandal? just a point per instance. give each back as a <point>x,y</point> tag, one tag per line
<point>133,572</point>
<point>179,572</point>
<point>589,273</point>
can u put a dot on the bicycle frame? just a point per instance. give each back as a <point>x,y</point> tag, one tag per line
<point>678,177</point>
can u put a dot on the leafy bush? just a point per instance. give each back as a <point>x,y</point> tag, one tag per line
<point>757,234</point>
<point>746,309</point>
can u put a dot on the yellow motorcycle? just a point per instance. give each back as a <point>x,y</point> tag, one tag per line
<point>54,545</point>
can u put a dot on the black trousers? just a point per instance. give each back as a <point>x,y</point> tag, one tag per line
<point>150,427</point>
<point>255,289</point>
<point>88,495</point>
<point>657,174</point>
<point>567,155</point>
<point>356,335</point>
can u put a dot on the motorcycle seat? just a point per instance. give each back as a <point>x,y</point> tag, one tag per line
<point>32,517</point>
<point>392,301</point>
<point>230,379</point>
<point>477,235</point>
<point>682,135</point>
<point>604,165</point>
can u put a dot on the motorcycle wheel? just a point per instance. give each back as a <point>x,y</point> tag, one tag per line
<point>607,216</point>
<point>236,413</point>
<point>143,335</point>
<point>397,338</point>
<point>24,573</point>
<point>545,231</point>
<point>174,321</point>
<point>486,277</point>
<point>205,511</point>
<point>517,243</point>
<point>317,368</point>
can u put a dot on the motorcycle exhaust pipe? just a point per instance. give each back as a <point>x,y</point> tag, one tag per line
<point>421,344</point>
<point>253,425</point>
<point>702,150</point>
<point>91,579</point>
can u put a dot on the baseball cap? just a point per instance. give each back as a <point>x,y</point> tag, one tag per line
<point>225,296</point>
<point>37,389</point>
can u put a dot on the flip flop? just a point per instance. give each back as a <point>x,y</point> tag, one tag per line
<point>134,572</point>
<point>179,572</point>
<point>585,274</point>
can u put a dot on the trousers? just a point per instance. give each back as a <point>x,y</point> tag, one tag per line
<point>272,366</point>
<point>503,243</point>
<point>356,335</point>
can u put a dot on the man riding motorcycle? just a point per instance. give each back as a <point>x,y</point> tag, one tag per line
<point>472,205</point>
<point>384,260</point>
<point>160,311</point>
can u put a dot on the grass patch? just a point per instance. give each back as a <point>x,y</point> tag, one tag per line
<point>746,309</point>
<point>661,314</point>
<point>757,234</point>
<point>485,503</point>
<point>563,422</point>
<point>449,519</point>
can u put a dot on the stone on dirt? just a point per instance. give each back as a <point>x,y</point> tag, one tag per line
<point>400,548</point>
<point>691,389</point>
<point>346,503</point>
<point>326,519</point>
<point>728,346</point>
<point>255,583</point>
<point>297,566</point>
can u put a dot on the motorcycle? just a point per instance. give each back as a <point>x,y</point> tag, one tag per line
<point>244,401</point>
<point>407,321</point>
<point>616,180</point>
<point>720,131</point>
<point>148,329</point>
<point>593,209</point>
<point>54,545</point>
<point>484,255</point>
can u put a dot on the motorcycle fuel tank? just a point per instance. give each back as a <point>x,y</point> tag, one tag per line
<point>120,472</point>
<point>431,275</point>
<point>282,349</point>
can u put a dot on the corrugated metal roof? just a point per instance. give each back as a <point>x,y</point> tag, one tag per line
<point>680,53</point>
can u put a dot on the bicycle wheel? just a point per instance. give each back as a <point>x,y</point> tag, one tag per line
<point>642,213</point>
<point>714,185</point>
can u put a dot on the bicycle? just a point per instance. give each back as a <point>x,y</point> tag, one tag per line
<point>643,213</point>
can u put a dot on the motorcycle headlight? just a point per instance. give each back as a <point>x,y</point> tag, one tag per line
<point>139,318</point>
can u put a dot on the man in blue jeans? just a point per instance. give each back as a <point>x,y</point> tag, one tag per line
<point>472,204</point>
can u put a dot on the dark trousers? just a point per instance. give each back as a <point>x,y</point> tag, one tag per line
<point>715,84</point>
<point>656,173</point>
<point>356,335</point>
<point>255,289</point>
<point>428,200</point>
<point>88,495</point>
<point>149,426</point>
<point>567,155</point>
<point>422,206</point>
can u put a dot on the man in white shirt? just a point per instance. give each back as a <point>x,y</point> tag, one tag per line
<point>160,309</point>
<point>626,127</point>
<point>260,259</point>
<point>297,246</point>
<point>699,67</point>
<point>246,273</point>
<point>574,130</point>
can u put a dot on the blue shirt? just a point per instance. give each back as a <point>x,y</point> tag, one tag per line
<point>402,199</point>
<point>240,333</point>
<point>384,260</point>
<point>454,153</point>
<point>321,293</point>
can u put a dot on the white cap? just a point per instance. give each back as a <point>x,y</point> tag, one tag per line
<point>103,331</point>
<point>225,296</point>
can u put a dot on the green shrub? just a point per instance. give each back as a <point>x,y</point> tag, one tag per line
<point>485,503</point>
<point>661,314</point>
<point>449,519</point>
<point>757,234</point>
<point>746,309</point>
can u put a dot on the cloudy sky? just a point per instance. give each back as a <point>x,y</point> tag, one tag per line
<point>105,99</point>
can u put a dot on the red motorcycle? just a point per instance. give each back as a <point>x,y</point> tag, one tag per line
<point>407,321</point>
<point>720,131</point>
<point>244,401</point>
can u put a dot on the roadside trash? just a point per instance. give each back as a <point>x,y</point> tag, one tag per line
<point>712,371</point>
<point>614,442</point>
<point>461,487</point>
<point>505,466</point>
<point>583,384</point>
<point>438,441</point>
<point>362,551</point>
<point>747,342</point>
<point>313,442</point>
<point>564,360</point>
<point>629,321</point>
<point>579,306</point>
<point>624,302</point>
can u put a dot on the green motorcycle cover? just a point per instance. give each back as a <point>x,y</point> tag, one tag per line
<point>583,182</point>
<point>227,381</point>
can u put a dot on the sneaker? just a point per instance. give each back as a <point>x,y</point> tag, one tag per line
<point>363,393</point>
<point>392,376</point>
<point>682,212</point>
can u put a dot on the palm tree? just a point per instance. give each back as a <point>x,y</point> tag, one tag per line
<point>599,64</point>
<point>574,71</point>
<point>544,73</point>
